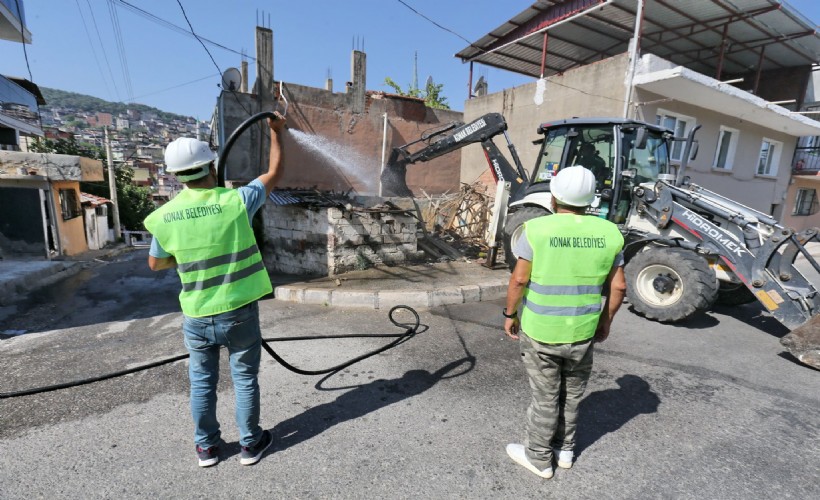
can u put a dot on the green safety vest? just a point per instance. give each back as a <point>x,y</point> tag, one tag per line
<point>572,257</point>
<point>208,233</point>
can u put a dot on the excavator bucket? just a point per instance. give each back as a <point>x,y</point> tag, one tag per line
<point>394,180</point>
<point>804,342</point>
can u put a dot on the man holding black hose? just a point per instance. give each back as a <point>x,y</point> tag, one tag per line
<point>205,232</point>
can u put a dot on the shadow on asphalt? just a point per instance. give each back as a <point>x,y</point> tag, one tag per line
<point>361,400</point>
<point>606,411</point>
<point>752,314</point>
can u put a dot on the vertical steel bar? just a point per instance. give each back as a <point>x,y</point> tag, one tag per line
<point>470,83</point>
<point>759,68</point>
<point>634,52</point>
<point>544,52</point>
<point>719,71</point>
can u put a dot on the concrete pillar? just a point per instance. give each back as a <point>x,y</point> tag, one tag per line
<point>264,63</point>
<point>243,87</point>
<point>358,75</point>
<point>329,84</point>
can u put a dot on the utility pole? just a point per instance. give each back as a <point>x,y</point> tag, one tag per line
<point>112,185</point>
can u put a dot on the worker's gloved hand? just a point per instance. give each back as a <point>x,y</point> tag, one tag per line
<point>277,124</point>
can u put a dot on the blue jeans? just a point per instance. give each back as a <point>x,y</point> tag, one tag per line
<point>238,330</point>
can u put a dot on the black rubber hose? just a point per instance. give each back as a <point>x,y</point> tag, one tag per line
<point>400,338</point>
<point>221,165</point>
<point>412,329</point>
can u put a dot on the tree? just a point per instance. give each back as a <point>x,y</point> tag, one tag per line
<point>134,202</point>
<point>431,93</point>
<point>60,146</point>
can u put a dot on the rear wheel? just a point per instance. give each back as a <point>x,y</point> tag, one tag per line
<point>670,284</point>
<point>513,229</point>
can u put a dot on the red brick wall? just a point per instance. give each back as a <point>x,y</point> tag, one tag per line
<point>355,140</point>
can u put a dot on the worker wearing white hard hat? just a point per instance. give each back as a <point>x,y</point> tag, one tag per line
<point>205,233</point>
<point>566,261</point>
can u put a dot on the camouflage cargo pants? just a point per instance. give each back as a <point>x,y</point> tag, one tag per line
<point>558,376</point>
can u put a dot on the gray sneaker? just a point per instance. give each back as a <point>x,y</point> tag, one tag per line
<point>207,457</point>
<point>252,454</point>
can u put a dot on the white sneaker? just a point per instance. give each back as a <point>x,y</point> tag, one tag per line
<point>565,458</point>
<point>519,456</point>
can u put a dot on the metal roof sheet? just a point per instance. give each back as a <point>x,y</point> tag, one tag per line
<point>93,200</point>
<point>686,32</point>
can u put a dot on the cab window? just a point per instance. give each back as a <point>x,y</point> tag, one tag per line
<point>551,152</point>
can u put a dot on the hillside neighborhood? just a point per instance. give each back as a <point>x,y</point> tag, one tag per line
<point>138,138</point>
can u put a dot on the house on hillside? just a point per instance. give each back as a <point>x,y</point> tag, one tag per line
<point>737,69</point>
<point>40,203</point>
<point>95,211</point>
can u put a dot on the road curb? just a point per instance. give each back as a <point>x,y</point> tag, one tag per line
<point>386,299</point>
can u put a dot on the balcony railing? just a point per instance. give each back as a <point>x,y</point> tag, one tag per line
<point>806,160</point>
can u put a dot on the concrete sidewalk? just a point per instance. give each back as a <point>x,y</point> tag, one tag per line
<point>382,287</point>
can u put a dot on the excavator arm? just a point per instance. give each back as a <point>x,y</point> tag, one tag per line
<point>448,139</point>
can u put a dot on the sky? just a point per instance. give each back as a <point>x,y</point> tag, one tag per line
<point>313,39</point>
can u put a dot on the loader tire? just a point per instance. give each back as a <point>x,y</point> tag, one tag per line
<point>670,284</point>
<point>512,230</point>
<point>730,294</point>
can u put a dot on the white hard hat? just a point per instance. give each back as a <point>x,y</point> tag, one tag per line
<point>186,153</point>
<point>573,186</point>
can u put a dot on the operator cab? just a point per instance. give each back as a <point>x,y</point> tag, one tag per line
<point>597,144</point>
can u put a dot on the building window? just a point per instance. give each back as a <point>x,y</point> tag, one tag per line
<point>806,202</point>
<point>70,204</point>
<point>769,157</point>
<point>680,125</point>
<point>727,145</point>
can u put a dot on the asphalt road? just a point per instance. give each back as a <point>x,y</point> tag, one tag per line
<point>710,409</point>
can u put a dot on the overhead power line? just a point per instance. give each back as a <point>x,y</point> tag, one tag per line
<point>23,39</point>
<point>172,88</point>
<point>102,47</point>
<point>179,29</point>
<point>115,22</point>
<point>435,23</point>
<point>185,15</point>
<point>497,53</point>
<point>94,50</point>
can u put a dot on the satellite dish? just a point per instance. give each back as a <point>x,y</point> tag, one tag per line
<point>231,79</point>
